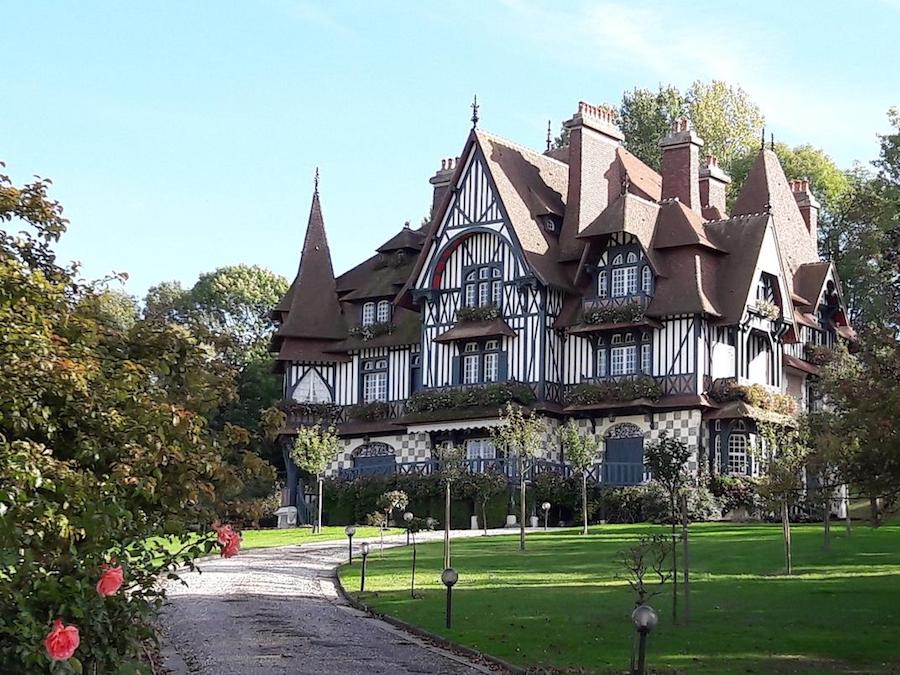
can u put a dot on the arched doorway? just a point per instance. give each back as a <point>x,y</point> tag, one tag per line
<point>374,459</point>
<point>623,457</point>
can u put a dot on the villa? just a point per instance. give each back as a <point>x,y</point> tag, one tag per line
<point>577,282</point>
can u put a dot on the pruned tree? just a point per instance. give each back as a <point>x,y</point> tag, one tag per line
<point>481,488</point>
<point>666,459</point>
<point>313,450</point>
<point>519,433</point>
<point>642,560</point>
<point>387,503</point>
<point>581,451</point>
<point>783,455</point>
<point>451,458</point>
<point>824,464</point>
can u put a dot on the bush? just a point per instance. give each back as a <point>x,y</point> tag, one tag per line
<point>737,492</point>
<point>650,503</point>
<point>727,389</point>
<point>818,355</point>
<point>613,391</point>
<point>487,396</point>
<point>369,412</point>
<point>628,313</point>
<point>472,314</point>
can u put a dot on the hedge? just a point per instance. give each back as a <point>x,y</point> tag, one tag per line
<point>487,396</point>
<point>614,390</point>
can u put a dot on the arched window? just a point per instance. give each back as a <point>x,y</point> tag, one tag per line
<point>737,449</point>
<point>483,287</point>
<point>646,280</point>
<point>602,284</point>
<point>623,457</point>
<point>368,314</point>
<point>631,258</point>
<point>374,459</point>
<point>618,260</point>
<point>384,311</point>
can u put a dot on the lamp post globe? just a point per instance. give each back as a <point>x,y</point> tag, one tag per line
<point>362,577</point>
<point>644,619</point>
<point>545,507</point>
<point>350,531</point>
<point>408,516</point>
<point>365,548</point>
<point>449,577</point>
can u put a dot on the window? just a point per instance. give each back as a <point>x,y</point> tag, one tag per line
<point>646,280</point>
<point>646,358</point>
<point>483,287</point>
<point>618,260</point>
<point>601,362</point>
<point>480,448</point>
<point>368,314</point>
<point>737,449</point>
<point>624,281</point>
<point>602,281</point>
<point>374,384</point>
<point>481,362</point>
<point>631,258</point>
<point>491,367</point>
<point>384,311</point>
<point>623,361</point>
<point>470,369</point>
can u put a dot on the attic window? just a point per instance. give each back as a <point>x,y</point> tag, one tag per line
<point>384,311</point>
<point>551,224</point>
<point>368,314</point>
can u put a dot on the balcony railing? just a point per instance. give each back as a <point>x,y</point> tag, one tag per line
<point>603,473</point>
<point>669,385</point>
<point>308,415</point>
<point>640,299</point>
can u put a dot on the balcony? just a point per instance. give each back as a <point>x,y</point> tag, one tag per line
<point>625,388</point>
<point>379,413</point>
<point>462,401</point>
<point>600,314</point>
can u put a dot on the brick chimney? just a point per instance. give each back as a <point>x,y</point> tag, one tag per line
<point>808,205</point>
<point>594,179</point>
<point>680,166</point>
<point>441,181</point>
<point>713,187</point>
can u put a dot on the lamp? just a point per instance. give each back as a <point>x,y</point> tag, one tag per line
<point>350,531</point>
<point>546,509</point>
<point>644,619</point>
<point>449,577</point>
<point>365,554</point>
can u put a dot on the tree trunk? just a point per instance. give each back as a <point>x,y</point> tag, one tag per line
<point>584,501</point>
<point>847,519</point>
<point>447,526</point>
<point>684,537</point>
<point>521,504</point>
<point>786,528</point>
<point>826,519</point>
<point>319,508</point>
<point>874,511</point>
<point>674,561</point>
<point>484,516</point>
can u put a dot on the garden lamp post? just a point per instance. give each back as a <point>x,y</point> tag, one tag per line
<point>644,619</point>
<point>350,531</point>
<point>546,508</point>
<point>449,577</point>
<point>408,517</point>
<point>365,554</point>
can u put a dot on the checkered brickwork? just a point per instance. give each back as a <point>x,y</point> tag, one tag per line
<point>408,447</point>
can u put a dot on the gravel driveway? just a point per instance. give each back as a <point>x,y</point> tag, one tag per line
<point>277,610</point>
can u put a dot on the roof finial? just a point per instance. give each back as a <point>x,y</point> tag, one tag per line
<point>762,140</point>
<point>316,182</point>
<point>475,111</point>
<point>772,142</point>
<point>549,136</point>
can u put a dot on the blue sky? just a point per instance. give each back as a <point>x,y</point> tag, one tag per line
<point>183,136</point>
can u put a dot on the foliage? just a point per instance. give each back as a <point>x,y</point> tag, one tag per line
<point>321,411</point>
<point>649,503</point>
<point>486,396</point>
<point>818,355</point>
<point>767,310</point>
<point>371,331</point>
<point>105,444</point>
<point>614,390</point>
<point>391,501</point>
<point>481,488</point>
<point>314,448</point>
<point>519,432</point>
<point>737,492</point>
<point>727,389</point>
<point>647,117</point>
<point>471,314</point>
<point>451,458</point>
<point>627,313</point>
<point>368,412</point>
<point>581,451</point>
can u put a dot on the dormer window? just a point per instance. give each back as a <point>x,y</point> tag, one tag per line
<point>646,280</point>
<point>602,284</point>
<point>384,311</point>
<point>368,314</point>
<point>551,224</point>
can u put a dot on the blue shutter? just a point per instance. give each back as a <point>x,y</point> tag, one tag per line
<point>502,371</point>
<point>455,371</point>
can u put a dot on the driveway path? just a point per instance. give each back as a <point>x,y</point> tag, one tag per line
<point>277,610</point>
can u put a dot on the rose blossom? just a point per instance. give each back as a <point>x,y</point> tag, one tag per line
<point>61,642</point>
<point>228,539</point>
<point>111,579</point>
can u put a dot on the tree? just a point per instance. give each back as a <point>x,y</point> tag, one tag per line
<point>451,458</point>
<point>581,452</point>
<point>481,488</point>
<point>105,452</point>
<point>722,115</point>
<point>824,464</point>
<point>519,433</point>
<point>313,450</point>
<point>783,457</point>
<point>666,459</point>
<point>388,502</point>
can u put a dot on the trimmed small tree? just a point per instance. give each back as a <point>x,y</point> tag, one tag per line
<point>451,458</point>
<point>519,434</point>
<point>388,502</point>
<point>666,459</point>
<point>482,488</point>
<point>581,452</point>
<point>783,458</point>
<point>313,449</point>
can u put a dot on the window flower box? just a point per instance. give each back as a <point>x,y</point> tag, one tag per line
<point>472,314</point>
<point>369,412</point>
<point>726,389</point>
<point>767,310</point>
<point>484,396</point>
<point>612,391</point>
<point>372,331</point>
<point>818,355</point>
<point>628,313</point>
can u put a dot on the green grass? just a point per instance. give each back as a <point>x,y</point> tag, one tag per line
<point>560,604</point>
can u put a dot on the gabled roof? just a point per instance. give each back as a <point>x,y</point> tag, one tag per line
<point>312,304</point>
<point>809,279</point>
<point>677,225</point>
<point>687,283</point>
<point>407,238</point>
<point>629,214</point>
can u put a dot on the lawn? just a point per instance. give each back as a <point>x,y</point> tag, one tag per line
<point>560,604</point>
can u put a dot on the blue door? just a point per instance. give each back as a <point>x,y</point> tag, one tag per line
<point>623,463</point>
<point>374,459</point>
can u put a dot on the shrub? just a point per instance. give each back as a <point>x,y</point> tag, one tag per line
<point>727,389</point>
<point>818,355</point>
<point>323,411</point>
<point>472,314</point>
<point>372,331</point>
<point>736,492</point>
<point>486,396</point>
<point>649,503</point>
<point>627,313</point>
<point>369,412</point>
<point>613,391</point>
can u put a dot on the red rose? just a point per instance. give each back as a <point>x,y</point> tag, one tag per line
<point>231,545</point>
<point>61,642</point>
<point>111,579</point>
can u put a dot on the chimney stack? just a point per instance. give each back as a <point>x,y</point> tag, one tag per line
<point>680,167</point>
<point>594,138</point>
<point>808,205</point>
<point>441,181</point>
<point>713,188</point>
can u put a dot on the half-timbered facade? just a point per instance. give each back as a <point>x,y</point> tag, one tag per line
<point>577,282</point>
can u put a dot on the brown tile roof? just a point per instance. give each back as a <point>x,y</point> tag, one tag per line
<point>628,213</point>
<point>407,238</point>
<point>313,310</point>
<point>809,279</point>
<point>677,225</point>
<point>407,330</point>
<point>469,330</point>
<point>293,349</point>
<point>801,365</point>
<point>686,283</point>
<point>642,179</point>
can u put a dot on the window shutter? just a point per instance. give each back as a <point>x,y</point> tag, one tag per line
<point>502,373</point>
<point>455,371</point>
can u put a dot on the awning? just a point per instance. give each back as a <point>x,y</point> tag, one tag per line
<point>469,330</point>
<point>801,365</point>
<point>601,327</point>
<point>453,425</point>
<point>741,409</point>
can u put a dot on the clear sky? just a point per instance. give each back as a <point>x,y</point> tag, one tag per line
<point>183,136</point>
